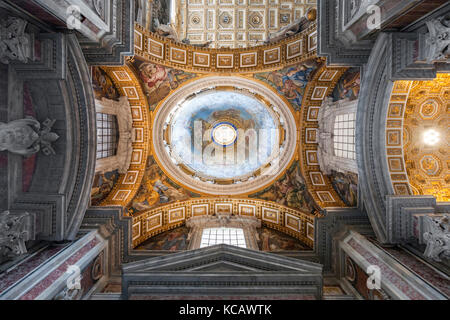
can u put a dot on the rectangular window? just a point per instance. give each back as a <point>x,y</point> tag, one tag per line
<point>107,135</point>
<point>344,136</point>
<point>230,236</point>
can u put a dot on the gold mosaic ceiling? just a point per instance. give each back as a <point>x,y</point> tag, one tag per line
<point>428,166</point>
<point>416,109</point>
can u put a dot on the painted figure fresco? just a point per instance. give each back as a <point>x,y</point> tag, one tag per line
<point>290,191</point>
<point>103,85</point>
<point>172,240</point>
<point>103,184</point>
<point>158,81</point>
<point>291,81</point>
<point>157,189</point>
<point>346,186</point>
<point>348,86</point>
<point>273,240</point>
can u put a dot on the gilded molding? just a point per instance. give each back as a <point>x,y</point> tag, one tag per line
<point>295,223</point>
<point>128,184</point>
<point>274,56</point>
<point>320,87</point>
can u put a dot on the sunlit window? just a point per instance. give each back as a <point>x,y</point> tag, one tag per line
<point>230,236</point>
<point>107,135</point>
<point>344,136</point>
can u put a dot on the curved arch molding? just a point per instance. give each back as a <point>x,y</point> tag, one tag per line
<point>160,50</point>
<point>292,222</point>
<point>381,107</point>
<point>320,87</point>
<point>128,184</point>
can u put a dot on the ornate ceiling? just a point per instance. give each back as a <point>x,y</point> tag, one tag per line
<point>235,23</point>
<point>168,92</point>
<point>417,164</point>
<point>164,51</point>
<point>257,113</point>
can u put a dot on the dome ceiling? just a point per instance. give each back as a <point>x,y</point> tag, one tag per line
<point>232,136</point>
<point>224,118</point>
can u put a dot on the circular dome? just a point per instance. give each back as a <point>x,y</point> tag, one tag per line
<point>224,135</point>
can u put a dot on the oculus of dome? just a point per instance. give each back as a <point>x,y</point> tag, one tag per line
<point>224,134</point>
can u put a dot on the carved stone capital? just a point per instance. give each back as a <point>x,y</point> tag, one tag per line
<point>15,230</point>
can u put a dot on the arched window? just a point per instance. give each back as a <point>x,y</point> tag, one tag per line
<point>107,135</point>
<point>344,136</point>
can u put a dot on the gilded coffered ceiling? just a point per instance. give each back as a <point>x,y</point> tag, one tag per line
<point>235,23</point>
<point>417,137</point>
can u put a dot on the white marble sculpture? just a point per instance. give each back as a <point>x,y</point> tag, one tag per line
<point>27,136</point>
<point>287,31</point>
<point>438,40</point>
<point>15,44</point>
<point>437,237</point>
<point>14,231</point>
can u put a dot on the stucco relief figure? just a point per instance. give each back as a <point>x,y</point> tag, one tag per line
<point>14,231</point>
<point>14,43</point>
<point>437,238</point>
<point>200,45</point>
<point>438,40</point>
<point>287,31</point>
<point>165,30</point>
<point>27,136</point>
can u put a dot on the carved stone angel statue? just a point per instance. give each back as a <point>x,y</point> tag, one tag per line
<point>287,31</point>
<point>438,40</point>
<point>15,229</point>
<point>437,238</point>
<point>15,44</point>
<point>27,136</point>
<point>165,30</point>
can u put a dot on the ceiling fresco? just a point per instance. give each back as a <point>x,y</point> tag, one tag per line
<point>417,164</point>
<point>212,110</point>
<point>255,111</point>
<point>157,189</point>
<point>291,82</point>
<point>150,188</point>
<point>290,190</point>
<point>158,81</point>
<point>347,88</point>
<point>268,240</point>
<point>154,78</point>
